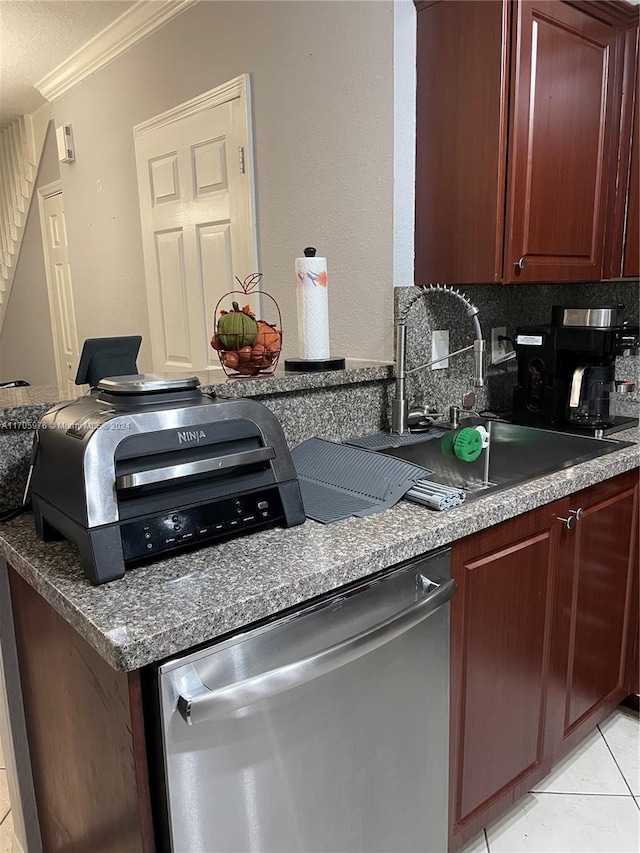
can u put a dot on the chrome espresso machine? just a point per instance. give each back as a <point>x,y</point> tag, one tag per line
<point>566,370</point>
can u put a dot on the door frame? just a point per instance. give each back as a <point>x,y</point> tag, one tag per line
<point>237,88</point>
<point>45,192</point>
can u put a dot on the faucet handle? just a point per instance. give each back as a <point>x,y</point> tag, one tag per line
<point>468,401</point>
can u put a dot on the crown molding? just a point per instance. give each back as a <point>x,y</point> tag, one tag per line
<point>139,21</point>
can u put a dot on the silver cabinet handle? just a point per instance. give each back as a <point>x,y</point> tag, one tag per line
<point>521,264</point>
<point>206,704</point>
<point>187,469</point>
<point>574,517</point>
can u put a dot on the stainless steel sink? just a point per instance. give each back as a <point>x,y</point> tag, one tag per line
<point>517,454</point>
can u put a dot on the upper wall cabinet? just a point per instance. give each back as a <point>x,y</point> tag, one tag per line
<point>462,95</point>
<point>518,123</point>
<point>623,257</point>
<point>563,109</point>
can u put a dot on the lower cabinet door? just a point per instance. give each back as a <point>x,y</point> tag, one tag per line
<point>542,636</point>
<point>594,610</point>
<point>501,623</point>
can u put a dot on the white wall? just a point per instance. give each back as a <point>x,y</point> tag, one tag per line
<point>404,140</point>
<point>322,88</point>
<point>26,343</point>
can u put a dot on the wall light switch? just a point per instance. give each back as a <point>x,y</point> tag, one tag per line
<point>440,349</point>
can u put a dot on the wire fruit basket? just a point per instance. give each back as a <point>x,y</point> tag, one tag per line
<point>247,346</point>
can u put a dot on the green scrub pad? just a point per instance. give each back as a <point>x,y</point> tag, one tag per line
<point>467,444</point>
<point>446,444</point>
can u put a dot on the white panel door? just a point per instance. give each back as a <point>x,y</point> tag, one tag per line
<point>197,227</point>
<point>61,305</point>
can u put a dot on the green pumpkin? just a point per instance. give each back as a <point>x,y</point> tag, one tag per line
<point>237,329</point>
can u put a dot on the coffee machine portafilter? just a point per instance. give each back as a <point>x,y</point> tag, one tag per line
<point>566,370</point>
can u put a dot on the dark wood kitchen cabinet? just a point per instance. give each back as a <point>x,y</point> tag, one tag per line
<point>517,122</point>
<point>633,645</point>
<point>565,102</point>
<point>593,611</point>
<point>86,733</point>
<point>540,632</point>
<point>461,113</point>
<point>624,249</point>
<point>501,631</point>
<point>631,243</point>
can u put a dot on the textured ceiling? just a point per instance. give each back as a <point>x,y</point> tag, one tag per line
<point>36,36</point>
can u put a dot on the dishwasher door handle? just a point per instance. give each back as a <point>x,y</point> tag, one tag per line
<point>202,703</point>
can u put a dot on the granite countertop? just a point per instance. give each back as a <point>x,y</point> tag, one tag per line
<point>283,382</point>
<point>29,402</point>
<point>21,408</point>
<point>166,607</point>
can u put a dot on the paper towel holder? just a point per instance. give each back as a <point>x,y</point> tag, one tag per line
<point>313,365</point>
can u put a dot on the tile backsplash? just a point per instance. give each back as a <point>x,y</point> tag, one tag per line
<point>499,305</point>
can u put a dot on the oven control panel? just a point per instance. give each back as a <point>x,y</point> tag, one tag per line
<point>179,528</point>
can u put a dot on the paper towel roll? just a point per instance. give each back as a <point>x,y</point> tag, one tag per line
<point>313,307</point>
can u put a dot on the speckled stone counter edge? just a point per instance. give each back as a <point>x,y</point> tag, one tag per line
<point>284,383</point>
<point>168,607</point>
<point>23,404</point>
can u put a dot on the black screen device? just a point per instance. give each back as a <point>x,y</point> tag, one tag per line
<point>102,357</point>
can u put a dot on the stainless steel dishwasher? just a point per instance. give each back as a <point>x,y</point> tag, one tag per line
<point>326,729</point>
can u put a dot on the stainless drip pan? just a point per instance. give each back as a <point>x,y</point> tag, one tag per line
<point>147,383</point>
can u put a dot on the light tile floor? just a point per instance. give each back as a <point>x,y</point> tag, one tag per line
<point>6,824</point>
<point>589,804</point>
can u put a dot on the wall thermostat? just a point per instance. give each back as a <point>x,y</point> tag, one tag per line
<point>64,139</point>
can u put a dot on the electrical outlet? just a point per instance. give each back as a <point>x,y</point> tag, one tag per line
<point>498,348</point>
<point>440,349</point>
